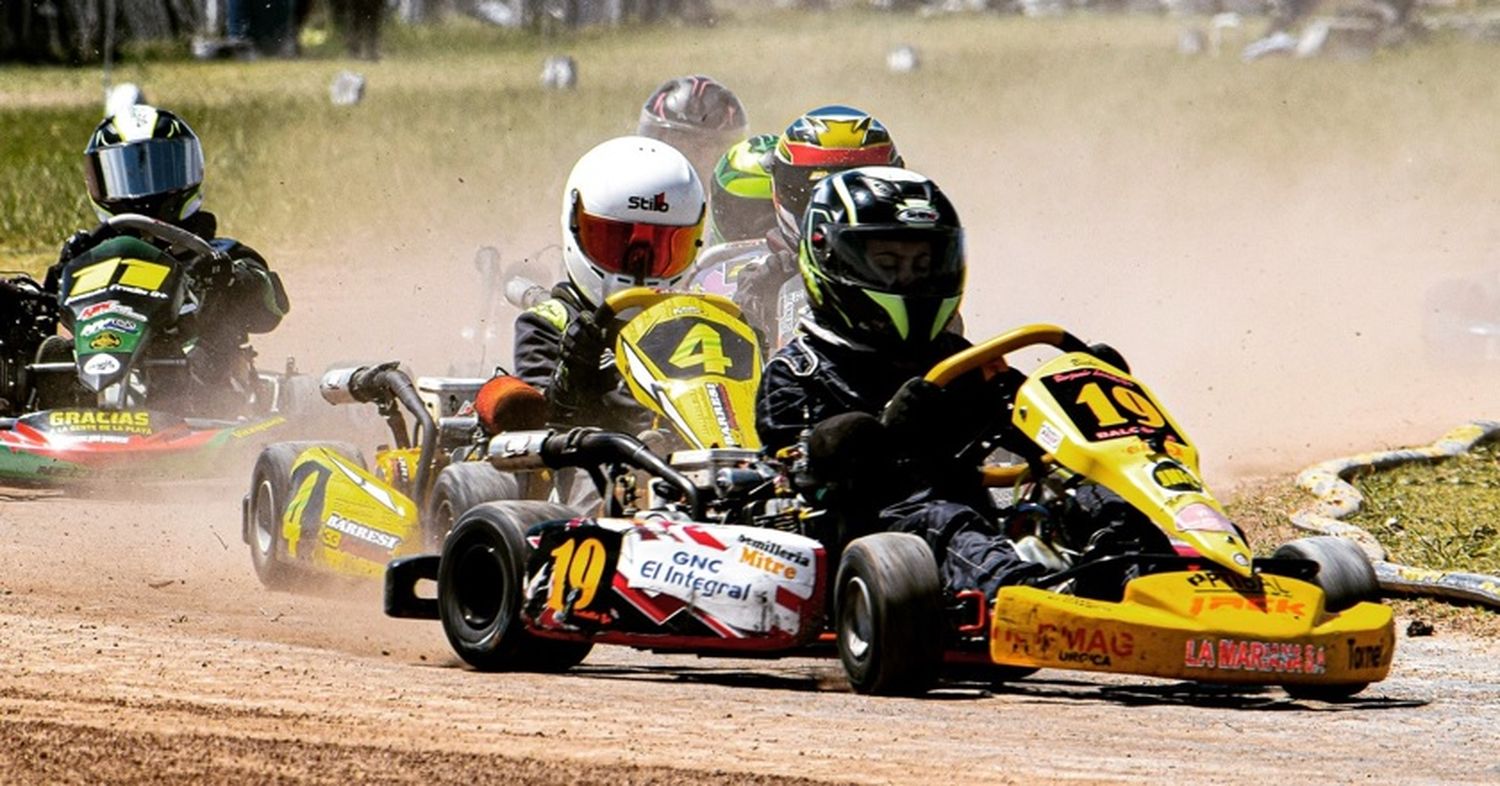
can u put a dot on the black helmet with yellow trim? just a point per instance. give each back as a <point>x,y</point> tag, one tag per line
<point>144,160</point>
<point>823,141</point>
<point>882,256</point>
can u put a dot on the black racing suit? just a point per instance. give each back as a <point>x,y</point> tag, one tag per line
<point>233,303</point>
<point>901,487</point>
<point>593,394</point>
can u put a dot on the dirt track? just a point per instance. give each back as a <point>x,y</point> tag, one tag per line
<point>137,646</point>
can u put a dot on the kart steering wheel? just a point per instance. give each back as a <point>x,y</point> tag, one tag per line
<point>991,356</point>
<point>646,297</point>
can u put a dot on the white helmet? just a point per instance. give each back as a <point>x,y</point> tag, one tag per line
<point>632,214</point>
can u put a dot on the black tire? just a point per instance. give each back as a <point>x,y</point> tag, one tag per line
<point>1337,692</point>
<point>1344,572</point>
<point>889,614</point>
<point>270,490</point>
<point>481,588</point>
<point>458,488</point>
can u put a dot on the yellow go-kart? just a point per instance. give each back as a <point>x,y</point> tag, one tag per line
<point>1187,600</point>
<point>316,509</point>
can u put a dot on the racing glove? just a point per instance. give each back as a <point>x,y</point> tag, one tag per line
<point>913,415</point>
<point>579,383</point>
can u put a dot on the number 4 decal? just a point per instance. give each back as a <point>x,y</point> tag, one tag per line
<point>702,346</point>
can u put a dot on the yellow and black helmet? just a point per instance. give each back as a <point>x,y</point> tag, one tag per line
<point>821,142</point>
<point>882,256</point>
<point>144,160</point>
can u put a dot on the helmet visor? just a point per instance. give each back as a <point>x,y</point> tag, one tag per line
<point>142,169</point>
<point>905,260</point>
<point>793,185</point>
<point>639,251</point>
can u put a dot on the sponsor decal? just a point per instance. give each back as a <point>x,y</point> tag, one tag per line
<point>1199,517</point>
<point>918,214</point>
<point>1049,437</point>
<point>115,324</point>
<point>1258,603</point>
<point>652,204</point>
<point>92,420</point>
<point>101,365</point>
<point>722,413</point>
<point>1268,656</point>
<point>771,548</point>
<point>359,531</point>
<point>104,307</point>
<point>1209,581</point>
<point>1366,656</point>
<point>106,340</point>
<point>257,428</point>
<point>694,572</point>
<point>1085,639</point>
<point>1087,658</point>
<point>1174,477</point>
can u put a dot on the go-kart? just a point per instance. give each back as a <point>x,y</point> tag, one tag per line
<point>1186,599</point>
<point>116,398</point>
<point>314,508</point>
<point>720,557</point>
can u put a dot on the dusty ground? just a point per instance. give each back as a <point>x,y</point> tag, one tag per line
<point>137,646</point>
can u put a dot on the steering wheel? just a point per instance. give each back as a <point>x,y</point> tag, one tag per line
<point>990,356</point>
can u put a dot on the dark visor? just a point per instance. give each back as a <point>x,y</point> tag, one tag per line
<point>142,169</point>
<point>899,259</point>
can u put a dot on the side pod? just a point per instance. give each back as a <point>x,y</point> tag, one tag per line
<point>401,577</point>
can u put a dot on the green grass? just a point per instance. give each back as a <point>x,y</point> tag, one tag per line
<point>1444,515</point>
<point>457,143</point>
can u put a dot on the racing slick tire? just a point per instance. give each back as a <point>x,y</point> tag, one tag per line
<point>458,488</point>
<point>481,587</point>
<point>888,613</point>
<point>270,491</point>
<point>1344,572</point>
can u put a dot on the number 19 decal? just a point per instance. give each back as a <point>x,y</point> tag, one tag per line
<point>1146,413</point>
<point>576,566</point>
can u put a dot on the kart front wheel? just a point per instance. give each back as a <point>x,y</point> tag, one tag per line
<point>460,487</point>
<point>265,507</point>
<point>889,612</point>
<point>1344,572</point>
<point>481,588</point>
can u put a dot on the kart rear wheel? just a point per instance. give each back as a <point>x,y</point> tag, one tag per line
<point>481,588</point>
<point>1337,692</point>
<point>889,614</point>
<point>460,487</point>
<point>1344,572</point>
<point>270,491</point>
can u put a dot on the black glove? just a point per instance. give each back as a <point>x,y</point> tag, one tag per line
<point>217,272</point>
<point>1109,355</point>
<point>914,413</point>
<point>583,345</point>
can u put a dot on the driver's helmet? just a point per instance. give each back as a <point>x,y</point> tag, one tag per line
<point>882,256</point>
<point>144,160</point>
<point>632,215</point>
<point>698,116</point>
<point>825,140</point>
<point>741,198</point>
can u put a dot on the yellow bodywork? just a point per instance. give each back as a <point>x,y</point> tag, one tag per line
<point>346,520</point>
<point>693,360</point>
<point>1206,626</point>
